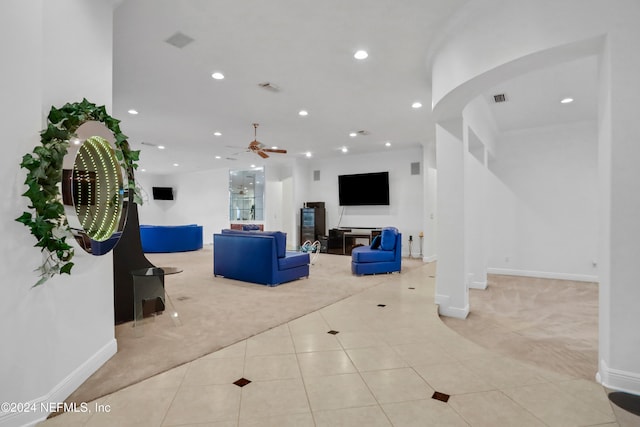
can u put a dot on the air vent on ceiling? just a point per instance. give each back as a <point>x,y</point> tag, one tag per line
<point>499,98</point>
<point>148,143</point>
<point>269,86</point>
<point>363,132</point>
<point>179,40</point>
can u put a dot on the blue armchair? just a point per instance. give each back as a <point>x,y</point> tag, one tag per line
<point>384,255</point>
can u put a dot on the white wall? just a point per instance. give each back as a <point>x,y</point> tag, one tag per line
<point>406,194</point>
<point>544,203</point>
<point>56,335</point>
<point>199,198</point>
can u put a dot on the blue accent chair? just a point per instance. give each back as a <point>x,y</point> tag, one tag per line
<point>384,255</point>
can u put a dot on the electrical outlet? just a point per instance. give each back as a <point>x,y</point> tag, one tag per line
<point>506,259</point>
<point>594,264</point>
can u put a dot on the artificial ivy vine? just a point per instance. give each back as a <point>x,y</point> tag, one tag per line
<point>48,222</point>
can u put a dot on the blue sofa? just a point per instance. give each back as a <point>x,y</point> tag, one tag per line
<point>384,255</point>
<point>171,238</point>
<point>257,257</point>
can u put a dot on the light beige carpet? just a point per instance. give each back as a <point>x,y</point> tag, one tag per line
<point>217,312</point>
<point>549,323</point>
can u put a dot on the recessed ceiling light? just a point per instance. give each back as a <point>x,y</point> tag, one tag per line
<point>76,141</point>
<point>353,134</point>
<point>275,147</point>
<point>566,101</point>
<point>303,112</point>
<point>387,144</point>
<point>218,157</point>
<point>217,134</point>
<point>176,164</point>
<point>133,112</point>
<point>217,75</point>
<point>345,150</point>
<point>308,154</point>
<point>361,54</point>
<point>253,166</point>
<point>160,147</point>
<point>143,170</point>
<point>416,105</point>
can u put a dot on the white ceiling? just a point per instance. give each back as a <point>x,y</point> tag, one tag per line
<point>533,99</point>
<point>306,48</point>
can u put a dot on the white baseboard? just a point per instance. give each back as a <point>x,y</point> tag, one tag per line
<point>543,274</point>
<point>430,258</point>
<point>478,285</point>
<point>616,379</point>
<point>60,391</point>
<point>444,309</point>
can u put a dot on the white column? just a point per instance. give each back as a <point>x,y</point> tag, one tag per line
<point>429,204</point>
<point>475,210</point>
<point>452,294</point>
<point>619,266</point>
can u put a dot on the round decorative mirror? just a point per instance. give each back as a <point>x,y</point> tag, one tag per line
<point>93,189</point>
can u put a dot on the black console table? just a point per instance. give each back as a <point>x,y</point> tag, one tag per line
<point>343,240</point>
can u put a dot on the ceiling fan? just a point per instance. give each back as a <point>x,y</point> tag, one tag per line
<point>259,148</point>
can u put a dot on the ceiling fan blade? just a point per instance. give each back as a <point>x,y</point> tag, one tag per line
<point>262,154</point>
<point>275,150</point>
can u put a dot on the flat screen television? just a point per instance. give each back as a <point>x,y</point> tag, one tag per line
<point>364,189</point>
<point>162,193</point>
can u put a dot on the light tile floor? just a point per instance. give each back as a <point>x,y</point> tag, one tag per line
<point>380,369</point>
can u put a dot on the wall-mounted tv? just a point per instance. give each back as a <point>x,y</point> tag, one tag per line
<point>364,189</point>
<point>162,193</point>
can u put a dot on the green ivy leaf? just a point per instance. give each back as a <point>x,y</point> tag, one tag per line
<point>25,218</point>
<point>55,115</point>
<point>52,132</point>
<point>66,269</point>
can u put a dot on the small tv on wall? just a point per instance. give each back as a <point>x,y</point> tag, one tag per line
<point>162,193</point>
<point>364,189</point>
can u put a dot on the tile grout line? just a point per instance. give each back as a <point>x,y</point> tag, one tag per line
<point>304,384</point>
